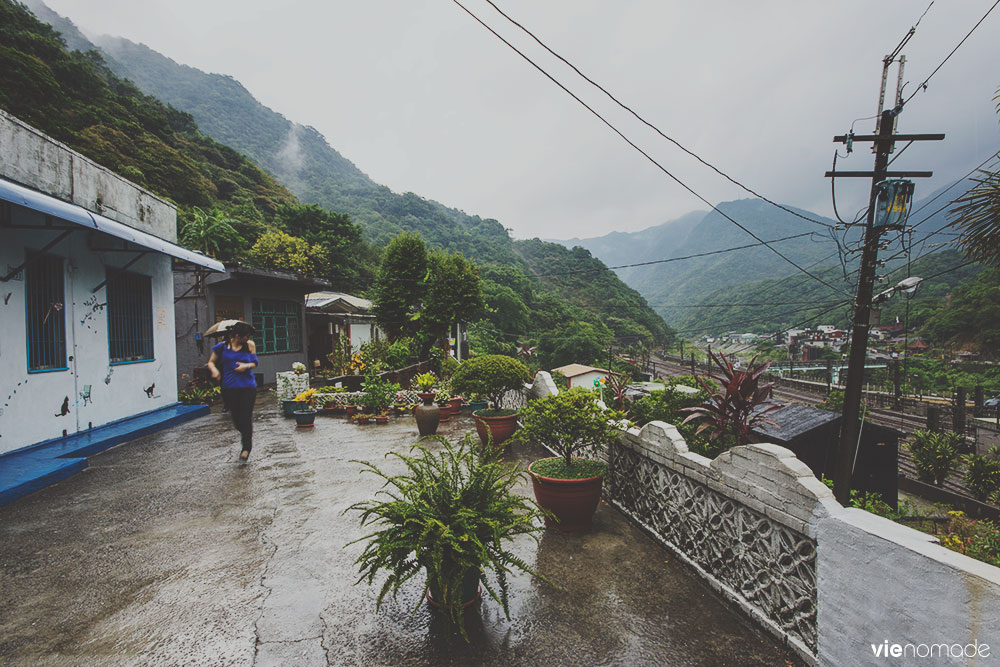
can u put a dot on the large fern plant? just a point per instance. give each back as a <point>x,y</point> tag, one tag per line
<point>450,513</point>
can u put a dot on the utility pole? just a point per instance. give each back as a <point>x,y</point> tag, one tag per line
<point>849,430</point>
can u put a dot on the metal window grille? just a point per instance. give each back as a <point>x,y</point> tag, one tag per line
<point>130,317</point>
<point>46,317</point>
<point>277,325</point>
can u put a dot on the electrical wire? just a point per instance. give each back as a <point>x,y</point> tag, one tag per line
<point>671,259</point>
<point>923,86</point>
<point>637,148</point>
<point>649,124</point>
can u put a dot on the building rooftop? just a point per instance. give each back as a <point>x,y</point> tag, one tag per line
<point>337,301</point>
<point>573,370</point>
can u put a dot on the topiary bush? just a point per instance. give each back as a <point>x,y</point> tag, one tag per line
<point>566,423</point>
<point>491,375</point>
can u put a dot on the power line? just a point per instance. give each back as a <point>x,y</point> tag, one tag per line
<point>649,124</point>
<point>633,145</point>
<point>672,259</point>
<point>923,86</point>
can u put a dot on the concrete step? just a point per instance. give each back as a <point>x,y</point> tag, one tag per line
<point>37,466</point>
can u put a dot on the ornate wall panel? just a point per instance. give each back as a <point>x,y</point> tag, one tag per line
<point>769,565</point>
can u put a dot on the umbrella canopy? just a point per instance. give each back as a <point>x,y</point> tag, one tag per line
<point>223,327</point>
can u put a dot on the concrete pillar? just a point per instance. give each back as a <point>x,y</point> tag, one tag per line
<point>933,418</point>
<point>958,420</point>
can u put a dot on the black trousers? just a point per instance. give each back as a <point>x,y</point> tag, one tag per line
<point>239,402</point>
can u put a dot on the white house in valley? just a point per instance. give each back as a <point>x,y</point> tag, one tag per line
<point>86,292</point>
<point>579,375</point>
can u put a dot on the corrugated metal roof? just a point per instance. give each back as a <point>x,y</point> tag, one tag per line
<point>572,370</point>
<point>323,300</point>
<point>794,420</point>
<point>57,208</point>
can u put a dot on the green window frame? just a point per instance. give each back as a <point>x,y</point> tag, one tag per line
<point>278,325</point>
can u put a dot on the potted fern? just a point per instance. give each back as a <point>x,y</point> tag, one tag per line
<point>447,518</point>
<point>492,376</point>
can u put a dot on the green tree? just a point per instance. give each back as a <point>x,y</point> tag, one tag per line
<point>399,285</point>
<point>348,256</point>
<point>278,250</point>
<point>452,294</point>
<point>978,215</point>
<point>578,342</point>
<point>212,234</point>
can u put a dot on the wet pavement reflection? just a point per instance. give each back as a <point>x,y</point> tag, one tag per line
<point>168,551</point>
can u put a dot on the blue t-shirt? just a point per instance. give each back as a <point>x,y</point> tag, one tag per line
<point>228,358</point>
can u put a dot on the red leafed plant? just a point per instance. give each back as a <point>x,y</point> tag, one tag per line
<point>617,385</point>
<point>740,404</point>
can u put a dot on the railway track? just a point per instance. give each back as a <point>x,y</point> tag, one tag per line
<point>901,421</point>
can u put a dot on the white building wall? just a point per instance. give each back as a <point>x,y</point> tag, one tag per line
<point>31,404</point>
<point>37,161</point>
<point>361,333</point>
<point>586,380</point>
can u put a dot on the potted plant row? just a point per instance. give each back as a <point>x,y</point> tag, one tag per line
<point>446,519</point>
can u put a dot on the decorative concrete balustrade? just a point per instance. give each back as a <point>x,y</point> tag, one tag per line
<point>834,583</point>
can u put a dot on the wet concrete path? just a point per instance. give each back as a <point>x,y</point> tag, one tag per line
<point>167,551</point>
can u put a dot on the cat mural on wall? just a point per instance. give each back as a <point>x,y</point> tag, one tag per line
<point>149,390</point>
<point>64,410</point>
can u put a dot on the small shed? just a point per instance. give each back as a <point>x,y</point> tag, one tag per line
<point>813,434</point>
<point>579,375</point>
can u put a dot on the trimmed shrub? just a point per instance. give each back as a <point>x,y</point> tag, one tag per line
<point>491,375</point>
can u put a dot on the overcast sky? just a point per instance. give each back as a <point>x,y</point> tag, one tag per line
<point>422,98</point>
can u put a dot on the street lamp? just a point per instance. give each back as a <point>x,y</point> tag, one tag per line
<point>907,286</point>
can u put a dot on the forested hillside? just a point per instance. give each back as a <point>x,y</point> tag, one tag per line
<point>699,262</point>
<point>953,305</point>
<point>76,98</point>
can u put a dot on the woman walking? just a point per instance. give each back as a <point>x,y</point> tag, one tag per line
<point>233,361</point>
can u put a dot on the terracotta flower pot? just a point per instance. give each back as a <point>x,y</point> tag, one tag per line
<point>500,428</point>
<point>572,501</point>
<point>362,420</point>
<point>381,419</point>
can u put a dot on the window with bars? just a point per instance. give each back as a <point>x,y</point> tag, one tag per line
<point>44,290</point>
<point>277,325</point>
<point>130,317</point>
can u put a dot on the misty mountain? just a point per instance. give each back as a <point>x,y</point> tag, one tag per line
<point>210,109</point>
<point>299,156</point>
<point>671,287</point>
